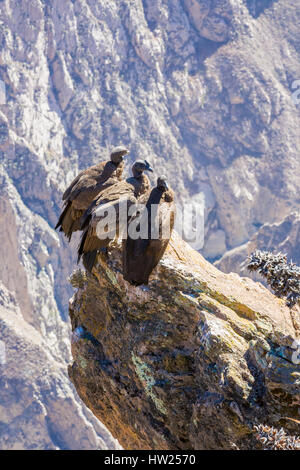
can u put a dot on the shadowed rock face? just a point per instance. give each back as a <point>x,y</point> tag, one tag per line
<point>192,361</point>
<point>256,7</point>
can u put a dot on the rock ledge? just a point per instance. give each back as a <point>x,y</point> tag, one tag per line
<point>195,360</point>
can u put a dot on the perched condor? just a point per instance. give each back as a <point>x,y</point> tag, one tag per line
<point>117,198</point>
<point>141,256</point>
<point>86,186</point>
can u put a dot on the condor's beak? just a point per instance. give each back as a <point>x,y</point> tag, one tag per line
<point>148,167</point>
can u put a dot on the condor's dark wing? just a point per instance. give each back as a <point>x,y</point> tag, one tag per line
<point>141,256</point>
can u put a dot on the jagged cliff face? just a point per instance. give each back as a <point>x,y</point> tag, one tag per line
<point>38,406</point>
<point>283,236</point>
<point>194,360</point>
<point>193,86</point>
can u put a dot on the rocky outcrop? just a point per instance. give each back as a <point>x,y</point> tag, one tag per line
<point>194,360</point>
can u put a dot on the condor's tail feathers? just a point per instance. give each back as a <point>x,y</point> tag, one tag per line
<point>62,216</point>
<point>80,250</point>
<point>66,223</point>
<point>89,259</point>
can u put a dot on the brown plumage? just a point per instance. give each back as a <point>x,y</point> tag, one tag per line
<point>118,198</point>
<point>86,186</point>
<point>141,256</point>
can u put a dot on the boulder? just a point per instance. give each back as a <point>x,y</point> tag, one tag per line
<point>194,360</point>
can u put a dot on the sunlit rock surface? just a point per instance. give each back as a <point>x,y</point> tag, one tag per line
<point>192,361</point>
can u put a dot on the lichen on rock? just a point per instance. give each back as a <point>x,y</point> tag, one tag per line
<point>194,360</point>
